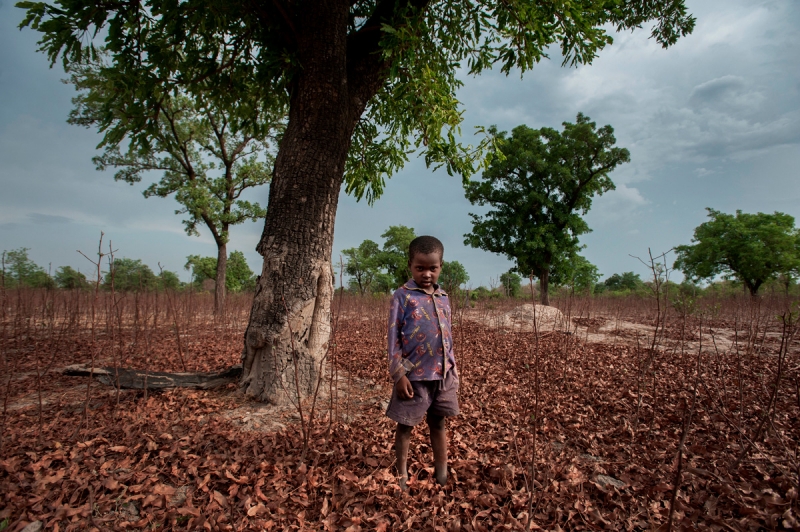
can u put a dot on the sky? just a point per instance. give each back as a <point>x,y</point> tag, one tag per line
<point>713,121</point>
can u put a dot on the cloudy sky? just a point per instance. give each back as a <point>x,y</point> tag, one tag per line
<point>712,122</point>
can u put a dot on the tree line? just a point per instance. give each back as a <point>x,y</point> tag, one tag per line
<point>124,274</point>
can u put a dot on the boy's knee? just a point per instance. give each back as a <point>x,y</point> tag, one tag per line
<point>436,422</point>
<point>404,430</point>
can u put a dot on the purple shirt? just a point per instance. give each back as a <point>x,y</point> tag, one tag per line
<point>420,337</point>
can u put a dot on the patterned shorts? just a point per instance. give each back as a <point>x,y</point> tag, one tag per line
<point>437,398</point>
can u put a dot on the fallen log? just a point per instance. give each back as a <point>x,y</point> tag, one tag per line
<point>134,379</point>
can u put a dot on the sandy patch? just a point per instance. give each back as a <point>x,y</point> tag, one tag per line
<point>523,318</point>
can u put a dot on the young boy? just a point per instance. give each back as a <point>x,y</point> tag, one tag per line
<point>421,360</point>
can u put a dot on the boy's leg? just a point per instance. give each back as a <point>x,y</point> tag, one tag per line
<point>401,439</point>
<point>439,445</point>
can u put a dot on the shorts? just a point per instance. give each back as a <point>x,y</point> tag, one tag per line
<point>431,397</point>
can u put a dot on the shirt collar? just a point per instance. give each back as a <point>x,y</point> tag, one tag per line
<point>437,288</point>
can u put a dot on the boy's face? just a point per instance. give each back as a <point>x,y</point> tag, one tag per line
<point>425,269</point>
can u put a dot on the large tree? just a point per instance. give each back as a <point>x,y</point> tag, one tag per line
<point>538,190</point>
<point>367,81</point>
<point>208,155</point>
<point>752,248</point>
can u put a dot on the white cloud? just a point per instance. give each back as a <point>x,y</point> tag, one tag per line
<point>702,172</point>
<point>623,203</point>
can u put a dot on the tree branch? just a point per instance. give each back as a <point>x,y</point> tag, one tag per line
<point>366,67</point>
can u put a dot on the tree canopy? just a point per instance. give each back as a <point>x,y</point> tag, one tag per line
<point>539,191</point>
<point>208,158</point>
<point>752,248</point>
<point>245,56</point>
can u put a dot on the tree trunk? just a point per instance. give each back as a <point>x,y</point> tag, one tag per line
<point>222,268</point>
<point>752,287</point>
<point>544,280</point>
<point>289,324</point>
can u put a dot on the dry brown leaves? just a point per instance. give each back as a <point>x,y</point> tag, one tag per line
<point>607,428</point>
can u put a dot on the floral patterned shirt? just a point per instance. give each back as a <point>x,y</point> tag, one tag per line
<point>420,337</point>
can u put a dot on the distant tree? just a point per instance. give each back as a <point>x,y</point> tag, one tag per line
<point>453,276</point>
<point>627,281</point>
<point>395,252</point>
<point>207,154</point>
<point>538,192</point>
<point>383,283</point>
<point>577,273</point>
<point>511,283</point>
<point>40,279</point>
<point>239,276</point>
<point>130,275</point>
<point>752,248</point>
<point>381,270</point>
<point>483,293</point>
<point>202,268</point>
<point>363,264</point>
<point>242,278</point>
<point>70,279</point>
<point>22,271</point>
<point>787,280</point>
<point>168,280</point>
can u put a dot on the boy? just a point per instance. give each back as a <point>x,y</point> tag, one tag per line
<point>421,360</point>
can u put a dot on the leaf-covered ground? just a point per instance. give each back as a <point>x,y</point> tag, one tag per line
<point>563,433</point>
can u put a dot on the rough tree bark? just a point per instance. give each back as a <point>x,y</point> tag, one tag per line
<point>544,285</point>
<point>219,281</point>
<point>293,294</point>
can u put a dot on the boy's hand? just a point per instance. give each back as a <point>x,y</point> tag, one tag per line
<point>403,388</point>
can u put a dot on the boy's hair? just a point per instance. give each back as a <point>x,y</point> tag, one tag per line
<point>425,245</point>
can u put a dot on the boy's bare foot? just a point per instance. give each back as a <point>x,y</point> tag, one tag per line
<point>403,481</point>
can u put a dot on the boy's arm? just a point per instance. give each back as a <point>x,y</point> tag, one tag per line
<point>399,366</point>
<point>449,325</point>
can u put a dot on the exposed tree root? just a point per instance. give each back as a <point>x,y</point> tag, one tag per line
<point>134,379</point>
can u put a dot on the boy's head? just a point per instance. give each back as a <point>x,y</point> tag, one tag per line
<point>425,254</point>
